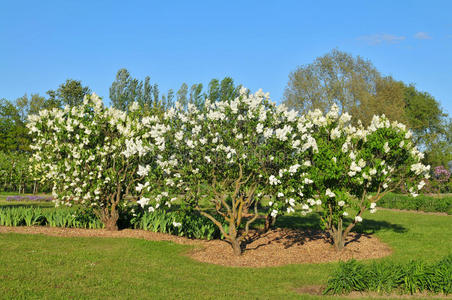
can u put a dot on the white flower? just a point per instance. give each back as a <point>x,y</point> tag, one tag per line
<point>386,147</point>
<point>307,181</point>
<point>177,224</point>
<point>280,194</point>
<point>329,193</point>
<point>373,205</point>
<point>341,203</point>
<point>345,213</point>
<point>274,213</point>
<point>273,180</point>
<point>421,185</point>
<point>318,202</point>
<point>358,219</point>
<point>134,106</point>
<point>143,170</point>
<point>143,201</point>
<point>259,128</point>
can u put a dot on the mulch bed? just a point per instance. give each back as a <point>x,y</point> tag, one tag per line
<point>274,248</point>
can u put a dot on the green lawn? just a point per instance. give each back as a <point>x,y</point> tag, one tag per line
<point>36,266</point>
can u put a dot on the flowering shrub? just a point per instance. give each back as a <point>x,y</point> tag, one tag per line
<point>223,159</point>
<point>91,154</point>
<point>440,180</point>
<point>352,166</point>
<point>227,154</point>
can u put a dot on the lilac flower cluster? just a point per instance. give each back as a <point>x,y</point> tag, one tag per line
<point>441,174</point>
<point>29,198</point>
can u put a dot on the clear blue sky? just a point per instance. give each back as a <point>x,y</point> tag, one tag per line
<point>257,43</point>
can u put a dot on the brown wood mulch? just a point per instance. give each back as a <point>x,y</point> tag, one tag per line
<point>274,248</point>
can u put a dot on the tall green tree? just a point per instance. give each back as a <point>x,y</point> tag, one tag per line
<point>13,133</point>
<point>431,126</point>
<point>69,93</point>
<point>182,95</point>
<point>33,105</point>
<point>352,83</point>
<point>126,89</point>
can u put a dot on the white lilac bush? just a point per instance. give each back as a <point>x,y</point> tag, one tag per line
<point>221,159</point>
<point>352,167</point>
<point>226,159</point>
<point>93,155</point>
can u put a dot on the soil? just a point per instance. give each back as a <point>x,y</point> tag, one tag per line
<point>274,248</point>
<point>318,291</point>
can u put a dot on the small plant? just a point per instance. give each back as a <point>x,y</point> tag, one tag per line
<point>410,278</point>
<point>188,223</point>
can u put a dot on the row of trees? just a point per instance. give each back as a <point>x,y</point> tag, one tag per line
<point>352,83</point>
<point>225,159</point>
<point>357,87</point>
<point>14,138</point>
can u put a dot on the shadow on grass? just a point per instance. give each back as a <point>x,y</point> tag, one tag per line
<point>369,226</point>
<point>303,229</point>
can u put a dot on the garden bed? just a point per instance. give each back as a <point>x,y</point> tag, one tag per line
<point>275,248</point>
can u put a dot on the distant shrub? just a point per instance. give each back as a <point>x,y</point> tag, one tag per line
<point>420,203</point>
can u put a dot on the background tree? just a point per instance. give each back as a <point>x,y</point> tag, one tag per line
<point>352,83</point>
<point>430,125</point>
<point>182,95</point>
<point>13,133</point>
<point>69,93</point>
<point>126,89</point>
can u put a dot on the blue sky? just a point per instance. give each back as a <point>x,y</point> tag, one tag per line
<point>257,43</point>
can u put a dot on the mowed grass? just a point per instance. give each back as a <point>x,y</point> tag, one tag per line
<point>44,267</point>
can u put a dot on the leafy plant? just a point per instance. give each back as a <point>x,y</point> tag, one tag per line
<point>410,278</point>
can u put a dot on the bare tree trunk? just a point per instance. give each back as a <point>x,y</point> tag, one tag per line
<point>109,218</point>
<point>269,222</point>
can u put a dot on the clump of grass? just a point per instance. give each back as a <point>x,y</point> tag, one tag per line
<point>410,278</point>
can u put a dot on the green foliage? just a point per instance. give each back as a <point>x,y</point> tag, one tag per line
<point>69,93</point>
<point>352,83</point>
<point>15,174</point>
<point>416,276</point>
<point>13,133</point>
<point>421,203</point>
<point>126,89</point>
<point>188,223</point>
<point>53,217</point>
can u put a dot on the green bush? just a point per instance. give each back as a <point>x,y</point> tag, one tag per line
<point>420,203</point>
<point>192,224</point>
<point>410,278</point>
<point>188,223</point>
<point>53,217</point>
